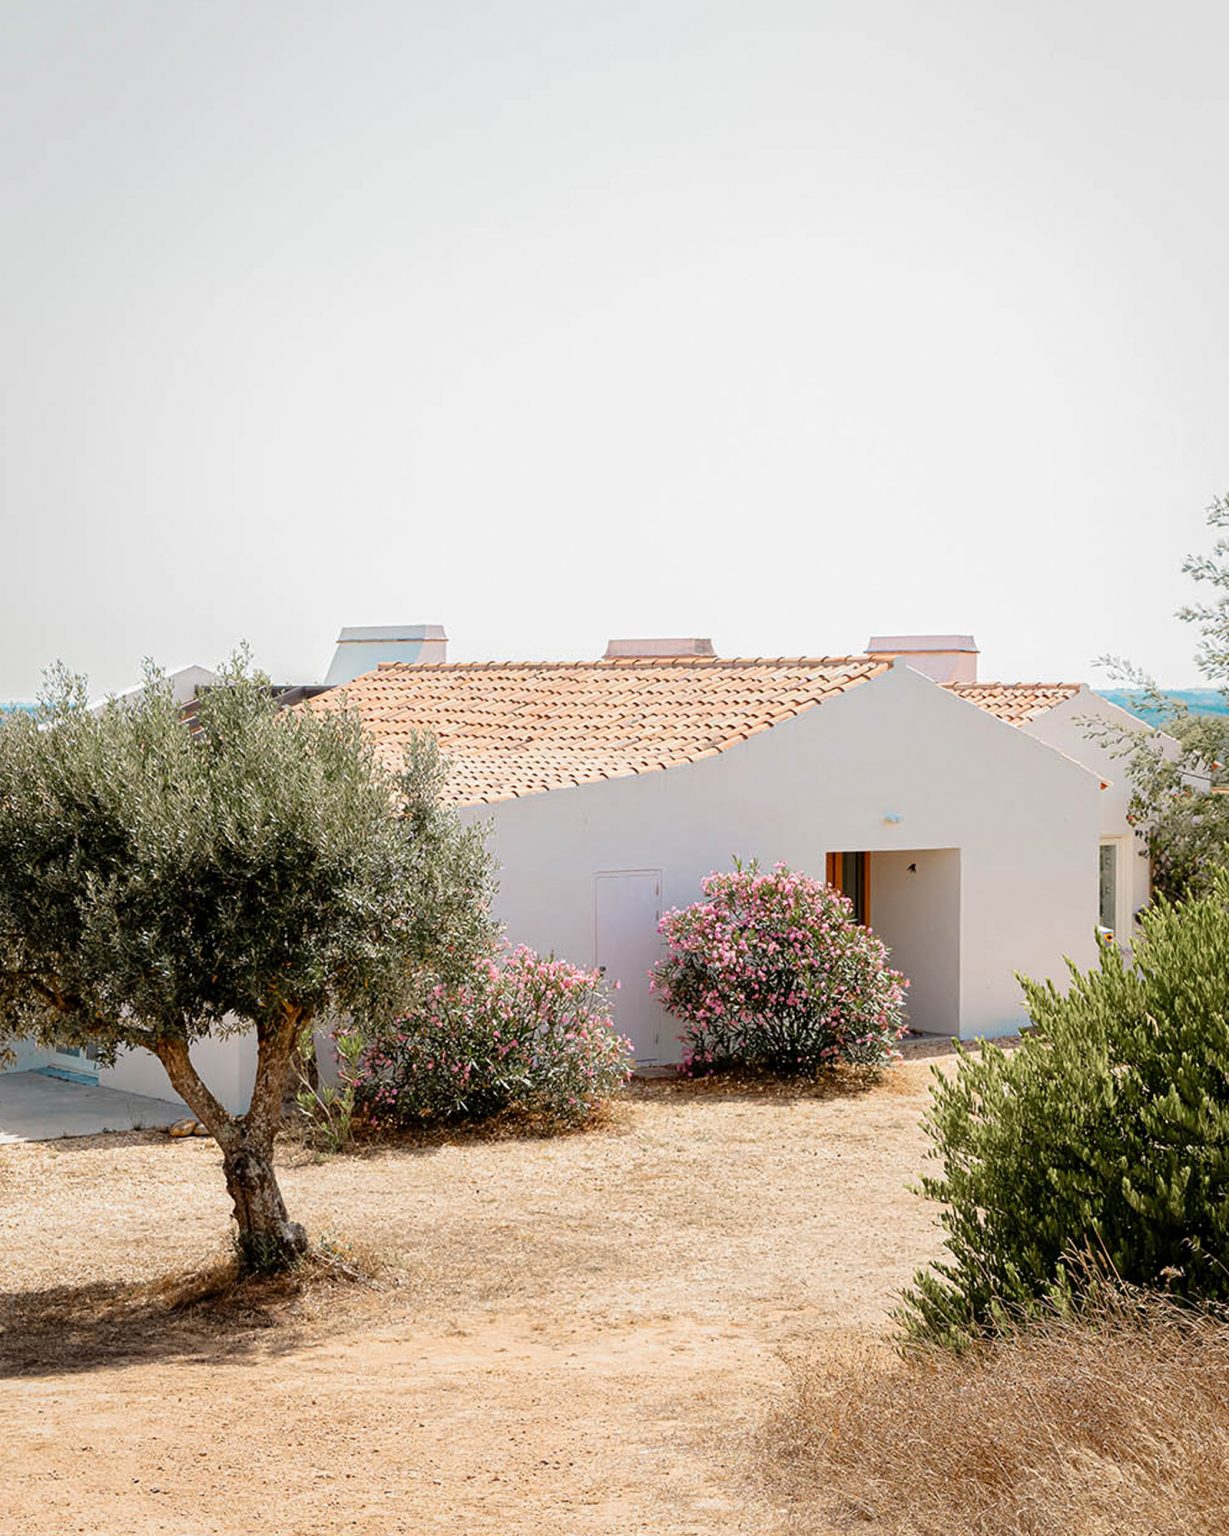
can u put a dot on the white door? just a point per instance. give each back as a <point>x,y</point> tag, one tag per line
<point>628,910</point>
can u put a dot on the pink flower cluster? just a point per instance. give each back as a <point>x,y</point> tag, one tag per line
<point>771,970</point>
<point>526,1031</point>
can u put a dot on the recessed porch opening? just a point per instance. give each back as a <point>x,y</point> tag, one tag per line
<point>911,898</point>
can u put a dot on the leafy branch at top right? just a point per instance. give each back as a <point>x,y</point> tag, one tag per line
<point>1180,779</point>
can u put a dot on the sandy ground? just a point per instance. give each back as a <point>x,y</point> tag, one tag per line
<point>567,1336</point>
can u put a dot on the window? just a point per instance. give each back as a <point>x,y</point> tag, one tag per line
<point>83,1053</point>
<point>1108,913</point>
<point>850,874</point>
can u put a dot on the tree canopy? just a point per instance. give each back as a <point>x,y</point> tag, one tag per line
<point>1179,797</point>
<point>260,870</point>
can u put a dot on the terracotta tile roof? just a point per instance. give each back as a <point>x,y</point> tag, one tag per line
<point>515,728</point>
<point>1017,703</point>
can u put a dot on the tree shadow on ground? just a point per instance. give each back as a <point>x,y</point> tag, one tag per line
<point>205,1317</point>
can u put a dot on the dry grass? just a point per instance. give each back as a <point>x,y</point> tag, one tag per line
<point>1114,1425</point>
<point>568,1335</point>
<point>573,1335</point>
<point>190,1314</point>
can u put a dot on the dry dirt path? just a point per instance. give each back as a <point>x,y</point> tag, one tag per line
<point>576,1335</point>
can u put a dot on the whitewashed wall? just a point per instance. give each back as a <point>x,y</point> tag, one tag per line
<point>1024,818</point>
<point>228,1067</point>
<point>1064,728</point>
<point>27,1056</point>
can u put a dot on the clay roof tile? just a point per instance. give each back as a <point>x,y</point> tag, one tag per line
<point>516,728</point>
<point>1017,703</point>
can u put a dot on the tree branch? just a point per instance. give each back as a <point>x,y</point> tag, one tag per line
<point>275,1038</point>
<point>50,993</point>
<point>173,1054</point>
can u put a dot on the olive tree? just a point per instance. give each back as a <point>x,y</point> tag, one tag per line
<point>260,871</point>
<point>1180,798</point>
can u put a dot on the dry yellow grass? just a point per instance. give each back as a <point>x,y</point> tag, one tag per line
<point>1113,1425</point>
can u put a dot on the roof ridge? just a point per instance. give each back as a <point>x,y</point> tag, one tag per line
<point>986,683</point>
<point>624,663</point>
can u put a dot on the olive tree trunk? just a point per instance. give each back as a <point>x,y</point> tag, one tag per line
<point>267,1240</point>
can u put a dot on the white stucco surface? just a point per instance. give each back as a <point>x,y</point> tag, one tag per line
<point>1066,727</point>
<point>227,1066</point>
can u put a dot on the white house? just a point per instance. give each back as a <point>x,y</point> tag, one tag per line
<point>976,826</point>
<point>967,837</point>
<point>185,683</point>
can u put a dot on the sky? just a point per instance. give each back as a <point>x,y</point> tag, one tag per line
<point>782,322</point>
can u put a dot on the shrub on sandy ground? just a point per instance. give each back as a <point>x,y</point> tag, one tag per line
<point>1115,1421</point>
<point>1105,1134</point>
<point>528,1033</point>
<point>771,971</point>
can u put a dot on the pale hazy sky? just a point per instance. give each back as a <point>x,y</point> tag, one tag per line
<point>781,321</point>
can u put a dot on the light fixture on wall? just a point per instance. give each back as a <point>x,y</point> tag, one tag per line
<point>893,818</point>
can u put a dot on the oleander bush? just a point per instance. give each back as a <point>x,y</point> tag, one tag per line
<point>1099,1146</point>
<point>526,1032</point>
<point>771,971</point>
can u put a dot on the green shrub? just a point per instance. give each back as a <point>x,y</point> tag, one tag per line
<point>530,1033</point>
<point>1100,1146</point>
<point>328,1109</point>
<point>772,971</point>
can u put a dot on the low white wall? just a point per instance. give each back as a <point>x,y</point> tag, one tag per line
<point>915,910</point>
<point>27,1056</point>
<point>226,1064</point>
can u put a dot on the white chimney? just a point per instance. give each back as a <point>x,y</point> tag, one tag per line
<point>691,645</point>
<point>363,649</point>
<point>945,658</point>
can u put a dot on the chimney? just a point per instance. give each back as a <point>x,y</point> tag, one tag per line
<point>363,649</point>
<point>945,658</point>
<point>691,645</point>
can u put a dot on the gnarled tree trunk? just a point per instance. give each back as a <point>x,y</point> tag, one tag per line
<point>267,1239</point>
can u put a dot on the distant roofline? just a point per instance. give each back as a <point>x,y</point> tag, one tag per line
<point>365,633</point>
<point>922,644</point>
<point>622,663</point>
<point>1015,703</point>
<point>185,681</point>
<point>974,686</point>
